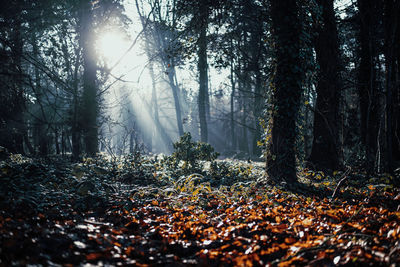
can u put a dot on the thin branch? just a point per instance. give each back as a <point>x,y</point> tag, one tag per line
<point>342,180</point>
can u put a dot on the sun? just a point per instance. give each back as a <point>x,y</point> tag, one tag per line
<point>111,46</point>
<point>121,55</point>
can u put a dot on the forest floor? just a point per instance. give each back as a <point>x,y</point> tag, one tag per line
<point>136,211</point>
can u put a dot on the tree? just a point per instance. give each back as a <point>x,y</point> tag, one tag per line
<point>12,78</point>
<point>90,101</point>
<point>368,79</point>
<point>325,152</point>
<point>287,91</point>
<point>242,47</point>
<point>255,57</point>
<point>392,63</point>
<point>90,15</point>
<point>162,43</point>
<point>203,100</point>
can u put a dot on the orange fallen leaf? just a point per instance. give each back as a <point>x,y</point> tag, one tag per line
<point>93,256</point>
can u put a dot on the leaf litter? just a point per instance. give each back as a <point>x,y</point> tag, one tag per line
<point>137,211</point>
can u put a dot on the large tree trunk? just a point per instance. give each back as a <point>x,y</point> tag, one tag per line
<point>326,144</point>
<point>396,85</point>
<point>367,82</point>
<point>391,11</point>
<point>90,101</point>
<point>203,100</point>
<point>281,159</point>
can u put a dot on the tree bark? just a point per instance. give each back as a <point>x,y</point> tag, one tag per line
<point>281,160</point>
<point>75,120</point>
<point>203,100</point>
<point>232,106</point>
<point>90,101</point>
<point>254,27</point>
<point>367,81</point>
<point>396,88</point>
<point>326,143</point>
<point>391,11</point>
<point>40,131</point>
<point>257,110</point>
<point>175,94</point>
<point>17,118</point>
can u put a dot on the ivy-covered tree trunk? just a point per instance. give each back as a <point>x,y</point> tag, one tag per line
<point>90,101</point>
<point>325,148</point>
<point>281,159</point>
<point>203,100</point>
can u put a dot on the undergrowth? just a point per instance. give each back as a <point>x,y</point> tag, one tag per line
<point>191,208</point>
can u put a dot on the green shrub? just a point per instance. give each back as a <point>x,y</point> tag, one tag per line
<point>191,153</point>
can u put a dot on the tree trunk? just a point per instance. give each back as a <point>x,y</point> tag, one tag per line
<point>392,9</point>
<point>244,141</point>
<point>160,130</point>
<point>257,110</point>
<point>63,150</point>
<point>325,148</point>
<point>367,82</point>
<point>17,118</point>
<point>253,34</point>
<point>281,160</point>
<point>75,120</point>
<point>175,94</point>
<point>232,111</point>
<point>40,121</point>
<point>90,101</point>
<point>203,100</point>
<point>132,142</point>
<point>163,41</point>
<point>56,140</point>
<point>396,88</point>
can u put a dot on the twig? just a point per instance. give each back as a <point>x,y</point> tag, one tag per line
<point>343,178</point>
